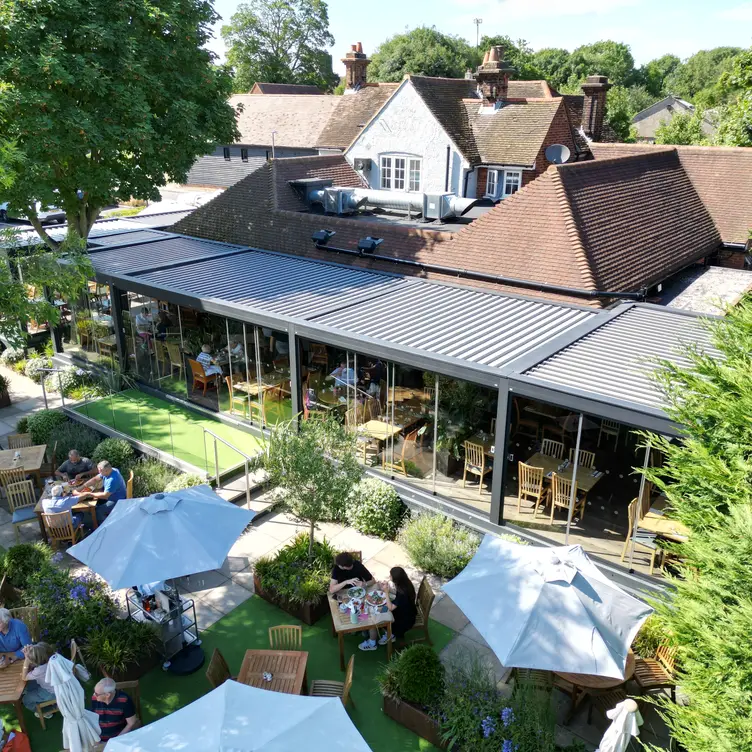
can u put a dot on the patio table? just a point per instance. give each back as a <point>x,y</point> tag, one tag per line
<point>341,624</point>
<point>378,429</point>
<point>287,667</point>
<point>585,478</point>
<point>85,505</point>
<point>11,689</point>
<point>656,522</point>
<point>486,441</point>
<point>31,460</point>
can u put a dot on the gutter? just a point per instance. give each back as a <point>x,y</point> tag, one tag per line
<point>494,278</point>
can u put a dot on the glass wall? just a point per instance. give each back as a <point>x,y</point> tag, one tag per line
<point>393,409</point>
<point>85,330</point>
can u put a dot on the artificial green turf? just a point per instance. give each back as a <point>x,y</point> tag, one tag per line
<point>170,428</point>
<point>247,627</point>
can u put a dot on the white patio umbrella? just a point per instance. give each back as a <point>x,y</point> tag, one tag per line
<point>238,718</point>
<point>163,536</point>
<point>626,722</point>
<point>548,608</point>
<point>80,726</point>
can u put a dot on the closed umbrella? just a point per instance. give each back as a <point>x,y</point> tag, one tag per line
<point>238,718</point>
<point>80,726</point>
<point>548,608</point>
<point>163,536</point>
<point>626,722</point>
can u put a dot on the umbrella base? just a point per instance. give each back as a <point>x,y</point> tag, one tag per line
<point>187,661</point>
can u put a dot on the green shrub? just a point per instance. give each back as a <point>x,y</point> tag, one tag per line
<point>438,545</point>
<point>20,367</point>
<point>67,379</point>
<point>72,435</point>
<point>291,576</point>
<point>4,383</point>
<point>23,424</point>
<point>11,355</point>
<point>185,480</point>
<point>151,476</point>
<point>375,508</point>
<point>119,644</point>
<point>649,638</point>
<point>43,423</point>
<point>416,675</point>
<point>34,368</point>
<point>118,452</point>
<point>22,561</point>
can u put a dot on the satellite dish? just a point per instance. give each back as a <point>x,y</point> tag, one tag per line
<point>558,154</point>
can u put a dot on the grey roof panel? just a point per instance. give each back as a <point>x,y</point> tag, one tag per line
<point>618,360</point>
<point>122,237</point>
<point>163,219</point>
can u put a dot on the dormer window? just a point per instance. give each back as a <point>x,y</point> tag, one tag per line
<point>400,173</point>
<point>502,183</point>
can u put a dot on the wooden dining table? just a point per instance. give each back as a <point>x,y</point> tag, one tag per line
<point>32,459</point>
<point>287,668</point>
<point>484,440</point>
<point>87,506</point>
<point>585,478</point>
<point>12,688</point>
<point>655,521</point>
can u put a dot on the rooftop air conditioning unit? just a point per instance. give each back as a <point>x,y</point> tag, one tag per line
<point>363,164</point>
<point>340,201</point>
<point>445,205</point>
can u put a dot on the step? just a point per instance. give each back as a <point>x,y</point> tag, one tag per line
<point>235,490</point>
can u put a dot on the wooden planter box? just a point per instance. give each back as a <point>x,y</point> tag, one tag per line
<point>135,670</point>
<point>308,614</point>
<point>415,720</point>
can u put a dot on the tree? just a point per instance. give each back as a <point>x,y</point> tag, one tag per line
<point>424,51</point>
<point>555,66</point>
<point>622,105</point>
<point>280,41</point>
<point>605,58</point>
<point>107,101</point>
<point>316,466</point>
<point>653,75</point>
<point>697,78</point>
<point>735,124</point>
<point>706,477</point>
<point>684,128</point>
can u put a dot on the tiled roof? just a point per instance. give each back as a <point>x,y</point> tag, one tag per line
<point>721,175</point>
<point>529,90</point>
<point>297,119</point>
<point>331,167</point>
<point>263,88</point>
<point>353,111</point>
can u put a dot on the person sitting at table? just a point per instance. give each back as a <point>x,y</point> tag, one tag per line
<point>76,468</point>
<point>348,572</point>
<point>14,636</point>
<point>376,373</point>
<point>208,363</point>
<point>58,502</point>
<point>164,322</point>
<point>34,673</point>
<point>236,354</point>
<point>113,490</point>
<point>143,324</point>
<point>403,608</point>
<point>116,711</point>
<point>343,376</point>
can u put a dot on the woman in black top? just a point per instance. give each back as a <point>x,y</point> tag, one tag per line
<point>403,609</point>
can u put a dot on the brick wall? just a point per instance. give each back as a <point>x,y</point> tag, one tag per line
<point>480,188</point>
<point>731,260</point>
<point>560,132</point>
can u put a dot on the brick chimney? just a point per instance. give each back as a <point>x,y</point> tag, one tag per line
<point>594,108</point>
<point>493,77</point>
<point>356,64</point>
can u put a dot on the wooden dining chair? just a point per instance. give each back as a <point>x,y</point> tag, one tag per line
<point>257,412</point>
<point>76,656</point>
<point>658,672</point>
<point>523,425</point>
<point>424,602</point>
<point>133,690</point>
<point>586,459</point>
<point>11,475</point>
<point>60,528</point>
<point>29,615</point>
<point>318,354</point>
<point>475,464</point>
<point>175,358</point>
<point>286,637</point>
<point>242,399</point>
<point>19,440</point>
<point>218,672</point>
<point>609,428</point>
<point>327,688</point>
<point>163,357</point>
<point>200,378</point>
<point>561,490</point>
<point>530,485</point>
<point>21,502</point>
<point>642,540</point>
<point>409,452</point>
<point>129,486</point>
<point>552,448</point>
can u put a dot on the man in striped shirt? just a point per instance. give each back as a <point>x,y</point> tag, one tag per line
<point>117,715</point>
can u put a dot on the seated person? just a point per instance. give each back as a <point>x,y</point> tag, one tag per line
<point>143,323</point>
<point>34,673</point>
<point>59,502</point>
<point>403,609</point>
<point>113,489</point>
<point>343,376</point>
<point>207,362</point>
<point>236,354</point>
<point>348,572</point>
<point>376,373</point>
<point>76,468</point>
<point>163,324</point>
<point>14,636</point>
<point>117,714</point>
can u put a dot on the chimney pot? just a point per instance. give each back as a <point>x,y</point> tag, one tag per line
<point>493,76</point>
<point>360,48</point>
<point>354,47</point>
<point>356,64</point>
<point>595,90</point>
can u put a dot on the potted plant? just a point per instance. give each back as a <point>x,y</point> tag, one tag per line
<point>4,391</point>
<point>124,650</point>
<point>412,686</point>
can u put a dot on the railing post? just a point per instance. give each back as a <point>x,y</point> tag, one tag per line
<point>247,485</point>
<point>216,464</point>
<point>44,394</point>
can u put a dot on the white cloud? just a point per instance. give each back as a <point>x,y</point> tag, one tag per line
<point>519,9</point>
<point>740,13</point>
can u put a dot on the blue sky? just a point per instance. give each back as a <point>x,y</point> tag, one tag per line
<point>650,27</point>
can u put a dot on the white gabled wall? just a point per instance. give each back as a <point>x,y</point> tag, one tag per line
<point>406,126</point>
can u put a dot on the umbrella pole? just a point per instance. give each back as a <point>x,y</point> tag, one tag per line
<point>638,505</point>
<point>573,492</point>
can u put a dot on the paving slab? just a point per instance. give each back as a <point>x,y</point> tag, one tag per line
<point>281,526</point>
<point>205,614</point>
<point>446,612</point>
<point>244,578</point>
<point>196,585</point>
<point>224,598</point>
<point>351,540</point>
<point>254,544</point>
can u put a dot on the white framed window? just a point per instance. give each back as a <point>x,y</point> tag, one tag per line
<point>400,173</point>
<point>512,181</point>
<point>502,183</point>
<point>492,181</point>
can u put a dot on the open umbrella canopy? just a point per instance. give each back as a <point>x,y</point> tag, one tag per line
<point>238,718</point>
<point>548,608</point>
<point>163,536</point>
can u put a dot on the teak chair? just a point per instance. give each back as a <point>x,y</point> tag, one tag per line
<point>176,358</point>
<point>257,412</point>
<point>561,490</point>
<point>60,527</point>
<point>475,463</point>
<point>129,486</point>
<point>658,672</point>
<point>76,656</point>
<point>539,680</point>
<point>605,701</point>
<point>218,672</point>
<point>21,503</point>
<point>530,485</point>
<point>286,637</point>
<point>642,539</point>
<point>609,428</point>
<point>11,475</point>
<point>424,601</point>
<point>552,448</point>
<point>326,688</point>
<point>242,399</point>
<point>399,466</point>
<point>586,459</point>
<point>200,378</point>
<point>132,689</point>
<point>519,423</point>
<point>19,440</point>
<point>29,615</point>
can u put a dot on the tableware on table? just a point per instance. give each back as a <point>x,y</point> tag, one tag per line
<point>376,598</point>
<point>267,676</point>
<point>357,592</point>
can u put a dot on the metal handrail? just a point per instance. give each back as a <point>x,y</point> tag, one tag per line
<point>246,459</point>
